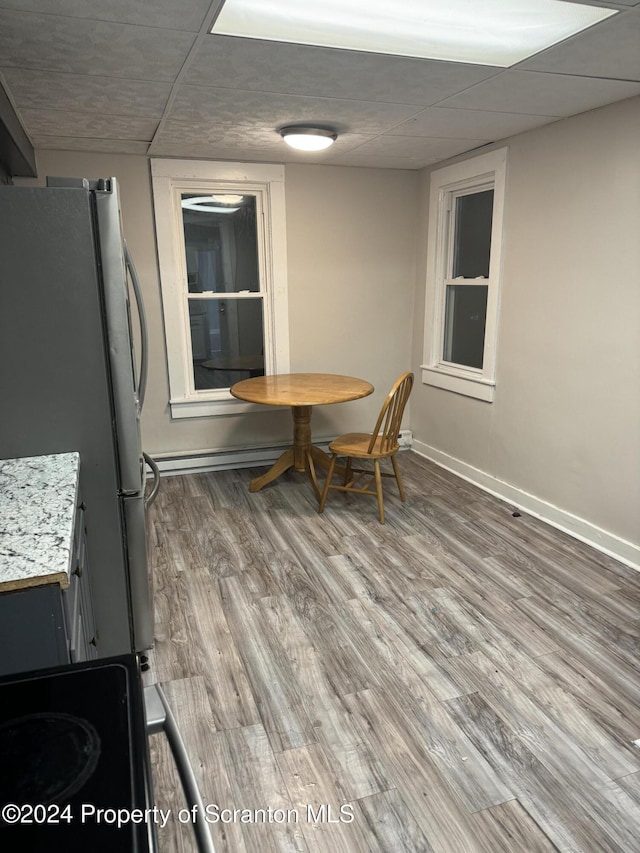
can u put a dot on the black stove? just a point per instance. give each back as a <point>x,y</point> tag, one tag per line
<point>74,760</point>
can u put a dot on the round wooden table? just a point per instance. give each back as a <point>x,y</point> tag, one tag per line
<point>300,391</point>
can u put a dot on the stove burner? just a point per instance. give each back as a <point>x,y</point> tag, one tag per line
<point>46,758</point>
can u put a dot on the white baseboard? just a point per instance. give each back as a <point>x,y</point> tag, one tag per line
<point>610,544</point>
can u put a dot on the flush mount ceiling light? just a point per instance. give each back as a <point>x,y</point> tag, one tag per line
<point>305,138</point>
<point>485,32</point>
<point>227,198</point>
<point>208,204</point>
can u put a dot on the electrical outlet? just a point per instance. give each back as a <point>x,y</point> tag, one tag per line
<point>405,438</point>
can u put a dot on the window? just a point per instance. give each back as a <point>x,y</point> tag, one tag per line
<point>221,246</point>
<point>463,275</point>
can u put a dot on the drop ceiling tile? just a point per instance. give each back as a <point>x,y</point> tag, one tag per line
<point>384,161</point>
<point>610,5</point>
<point>51,43</point>
<point>169,14</point>
<point>272,154</point>
<point>612,49</point>
<point>245,137</point>
<point>537,93</point>
<point>202,151</point>
<point>239,136</point>
<point>467,124</point>
<point>229,107</point>
<point>115,146</point>
<point>267,66</point>
<point>414,152</point>
<point>77,72</point>
<point>105,95</point>
<point>62,123</point>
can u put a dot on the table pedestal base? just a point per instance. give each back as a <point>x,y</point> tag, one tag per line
<point>303,456</point>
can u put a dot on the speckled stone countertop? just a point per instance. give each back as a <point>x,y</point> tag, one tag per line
<point>38,497</point>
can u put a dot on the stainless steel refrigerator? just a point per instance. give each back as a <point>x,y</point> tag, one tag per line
<point>70,380</point>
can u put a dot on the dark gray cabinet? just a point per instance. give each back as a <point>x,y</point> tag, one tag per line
<point>44,626</point>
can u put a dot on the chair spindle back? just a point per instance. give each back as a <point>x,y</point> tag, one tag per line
<point>390,417</point>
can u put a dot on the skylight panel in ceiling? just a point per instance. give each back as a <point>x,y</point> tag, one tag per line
<point>486,32</point>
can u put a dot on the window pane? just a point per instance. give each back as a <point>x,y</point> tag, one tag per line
<point>464,324</point>
<point>227,339</point>
<point>221,242</point>
<point>472,238</point>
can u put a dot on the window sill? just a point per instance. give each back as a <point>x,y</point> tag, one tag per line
<point>192,408</point>
<point>468,386</point>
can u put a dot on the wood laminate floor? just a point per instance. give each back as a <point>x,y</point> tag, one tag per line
<point>457,680</point>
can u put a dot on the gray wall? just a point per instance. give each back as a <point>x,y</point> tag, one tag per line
<point>351,271</point>
<point>565,423</point>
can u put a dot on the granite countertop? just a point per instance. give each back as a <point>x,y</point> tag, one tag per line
<point>38,498</point>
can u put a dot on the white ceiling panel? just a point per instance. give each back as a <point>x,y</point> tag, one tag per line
<point>169,14</point>
<point>247,137</point>
<point>489,32</point>
<point>241,137</point>
<point>538,93</point>
<point>145,76</point>
<point>106,95</point>
<point>78,46</point>
<point>609,50</point>
<point>63,123</point>
<point>201,151</point>
<point>78,143</point>
<point>414,152</point>
<point>171,144</point>
<point>467,124</point>
<point>614,4</point>
<point>228,107</point>
<point>266,66</point>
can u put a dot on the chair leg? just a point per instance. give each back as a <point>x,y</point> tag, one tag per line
<point>376,465</point>
<point>312,474</point>
<point>396,471</point>
<point>347,471</point>
<point>327,482</point>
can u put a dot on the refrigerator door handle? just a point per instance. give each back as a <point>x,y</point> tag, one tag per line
<point>115,289</point>
<point>150,498</point>
<point>144,336</point>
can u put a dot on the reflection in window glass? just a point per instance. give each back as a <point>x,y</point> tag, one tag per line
<point>221,243</point>
<point>227,341</point>
<point>472,236</point>
<point>464,325</point>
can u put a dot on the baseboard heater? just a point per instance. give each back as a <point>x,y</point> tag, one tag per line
<point>224,460</point>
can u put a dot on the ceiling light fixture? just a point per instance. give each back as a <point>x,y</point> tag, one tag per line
<point>227,198</point>
<point>206,203</point>
<point>306,138</point>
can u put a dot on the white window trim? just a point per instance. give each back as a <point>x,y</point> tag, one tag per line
<point>170,176</point>
<point>485,169</point>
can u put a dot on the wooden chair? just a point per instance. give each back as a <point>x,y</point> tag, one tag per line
<point>382,443</point>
